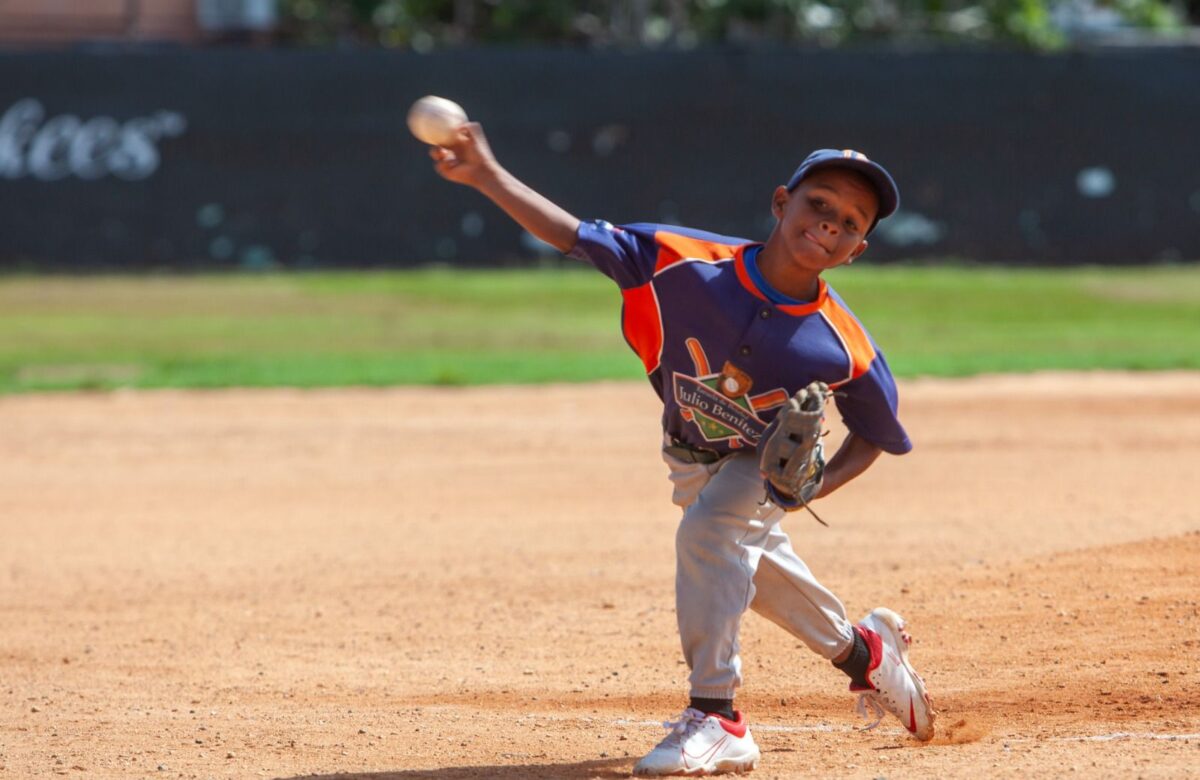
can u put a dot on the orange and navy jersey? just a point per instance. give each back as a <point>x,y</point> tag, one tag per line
<point>721,354</point>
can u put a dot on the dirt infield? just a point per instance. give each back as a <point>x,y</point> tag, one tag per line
<point>478,583</point>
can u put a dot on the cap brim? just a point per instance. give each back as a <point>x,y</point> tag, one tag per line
<point>885,187</point>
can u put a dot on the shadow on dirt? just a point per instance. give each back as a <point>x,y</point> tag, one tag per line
<point>600,768</point>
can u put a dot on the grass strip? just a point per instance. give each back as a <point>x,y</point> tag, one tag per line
<point>450,327</point>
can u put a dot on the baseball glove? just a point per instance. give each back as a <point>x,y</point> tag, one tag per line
<point>790,454</point>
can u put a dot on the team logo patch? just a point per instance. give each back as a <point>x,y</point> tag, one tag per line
<point>719,403</point>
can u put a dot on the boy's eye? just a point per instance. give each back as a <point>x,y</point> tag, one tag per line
<point>851,225</point>
<point>818,203</point>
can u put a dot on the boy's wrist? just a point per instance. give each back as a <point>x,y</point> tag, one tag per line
<point>491,178</point>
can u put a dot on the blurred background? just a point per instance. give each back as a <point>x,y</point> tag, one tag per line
<point>143,138</point>
<point>263,133</point>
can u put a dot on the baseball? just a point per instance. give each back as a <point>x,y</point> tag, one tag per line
<point>435,120</point>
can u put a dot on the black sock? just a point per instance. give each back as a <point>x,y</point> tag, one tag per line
<point>722,707</point>
<point>855,665</point>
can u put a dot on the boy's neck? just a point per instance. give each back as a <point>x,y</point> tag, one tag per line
<point>784,275</point>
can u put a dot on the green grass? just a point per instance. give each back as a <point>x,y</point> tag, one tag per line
<point>470,327</point>
<point>957,321</point>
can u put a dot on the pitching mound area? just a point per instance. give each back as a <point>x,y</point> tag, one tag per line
<point>478,583</point>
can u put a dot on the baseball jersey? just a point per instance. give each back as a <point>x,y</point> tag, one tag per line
<point>722,355</point>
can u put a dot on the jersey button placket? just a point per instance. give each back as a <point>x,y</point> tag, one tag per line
<point>759,325</point>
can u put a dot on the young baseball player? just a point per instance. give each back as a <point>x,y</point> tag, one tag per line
<point>743,343</point>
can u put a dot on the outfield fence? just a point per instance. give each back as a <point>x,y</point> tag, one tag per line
<point>188,159</point>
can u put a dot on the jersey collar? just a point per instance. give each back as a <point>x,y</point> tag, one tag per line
<point>796,310</point>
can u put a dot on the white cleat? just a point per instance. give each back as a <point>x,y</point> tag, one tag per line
<point>700,744</point>
<point>897,688</point>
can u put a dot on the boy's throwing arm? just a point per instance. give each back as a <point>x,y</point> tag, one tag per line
<point>469,160</point>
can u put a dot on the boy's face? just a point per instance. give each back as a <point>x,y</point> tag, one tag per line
<point>823,222</point>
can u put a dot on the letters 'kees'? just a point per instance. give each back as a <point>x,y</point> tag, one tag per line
<point>57,147</point>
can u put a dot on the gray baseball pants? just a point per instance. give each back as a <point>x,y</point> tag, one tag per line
<point>732,554</point>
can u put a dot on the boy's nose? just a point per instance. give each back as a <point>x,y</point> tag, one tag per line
<point>829,227</point>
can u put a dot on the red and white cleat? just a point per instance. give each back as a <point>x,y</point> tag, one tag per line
<point>896,686</point>
<point>700,744</point>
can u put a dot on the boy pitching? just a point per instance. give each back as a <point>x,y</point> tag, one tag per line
<point>743,343</point>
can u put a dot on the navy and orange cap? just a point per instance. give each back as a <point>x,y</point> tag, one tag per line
<point>885,185</point>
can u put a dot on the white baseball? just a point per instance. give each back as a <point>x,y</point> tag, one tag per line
<point>436,120</point>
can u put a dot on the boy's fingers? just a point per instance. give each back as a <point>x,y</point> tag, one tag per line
<point>473,133</point>
<point>451,157</point>
<point>462,137</point>
<point>445,167</point>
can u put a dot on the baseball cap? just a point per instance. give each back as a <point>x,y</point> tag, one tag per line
<point>885,185</point>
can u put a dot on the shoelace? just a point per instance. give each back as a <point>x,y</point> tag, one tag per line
<point>689,721</point>
<point>870,700</point>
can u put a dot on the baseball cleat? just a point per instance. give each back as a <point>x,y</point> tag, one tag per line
<point>700,744</point>
<point>896,686</point>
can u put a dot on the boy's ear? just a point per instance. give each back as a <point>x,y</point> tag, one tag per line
<point>858,250</point>
<point>779,199</point>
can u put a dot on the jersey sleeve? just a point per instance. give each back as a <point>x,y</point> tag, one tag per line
<point>632,254</point>
<point>869,407</point>
<point>627,255</point>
